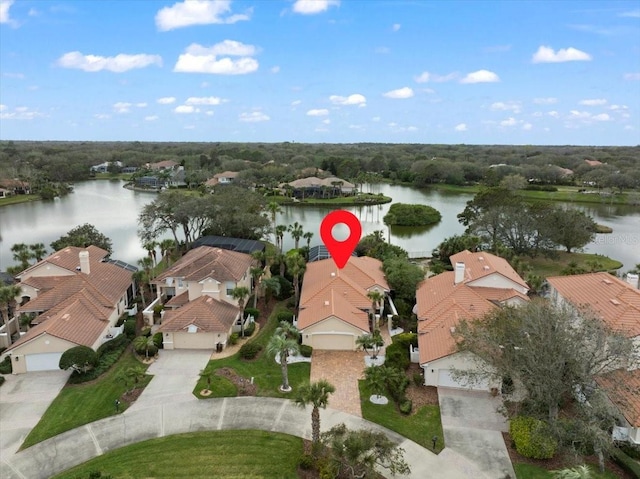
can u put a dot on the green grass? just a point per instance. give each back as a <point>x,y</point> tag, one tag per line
<point>265,371</point>
<point>227,454</point>
<point>420,426</point>
<point>81,404</point>
<point>528,471</point>
<point>545,267</point>
<point>15,199</point>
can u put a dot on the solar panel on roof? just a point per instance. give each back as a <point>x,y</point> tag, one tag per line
<point>240,245</point>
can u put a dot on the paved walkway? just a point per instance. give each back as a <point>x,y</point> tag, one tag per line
<point>79,445</point>
<point>343,369</point>
<point>473,425</point>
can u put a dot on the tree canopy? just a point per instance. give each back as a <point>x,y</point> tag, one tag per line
<point>402,214</point>
<point>78,358</point>
<point>83,236</point>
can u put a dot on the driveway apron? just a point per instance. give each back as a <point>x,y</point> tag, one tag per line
<point>473,426</point>
<point>343,369</point>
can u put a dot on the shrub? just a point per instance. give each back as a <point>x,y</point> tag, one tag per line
<point>79,358</point>
<point>233,339</point>
<point>5,366</point>
<point>252,312</point>
<point>130,328</point>
<point>397,356</point>
<point>157,309</point>
<point>406,340</point>
<point>146,331</point>
<point>532,438</point>
<point>285,316</point>
<point>406,406</point>
<point>418,379</point>
<point>105,361</point>
<point>626,463</point>
<point>249,330</point>
<point>2,380</point>
<point>250,350</point>
<point>306,462</point>
<point>286,288</point>
<point>158,340</point>
<point>306,350</point>
<point>631,450</point>
<point>112,345</point>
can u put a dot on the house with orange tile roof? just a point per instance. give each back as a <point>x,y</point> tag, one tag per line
<point>623,390</point>
<point>480,283</point>
<point>334,306</point>
<point>199,310</point>
<point>76,296</point>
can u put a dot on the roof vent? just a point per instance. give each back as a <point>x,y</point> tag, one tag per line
<point>480,258</point>
<point>326,303</point>
<point>485,267</point>
<point>615,301</point>
<point>333,274</point>
<point>452,329</point>
<point>607,281</point>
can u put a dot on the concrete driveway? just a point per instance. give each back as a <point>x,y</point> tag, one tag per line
<point>175,374</point>
<point>23,400</point>
<point>473,427</point>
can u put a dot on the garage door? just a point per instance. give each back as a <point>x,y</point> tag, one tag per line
<point>194,340</point>
<point>43,362</point>
<point>339,342</point>
<point>446,379</point>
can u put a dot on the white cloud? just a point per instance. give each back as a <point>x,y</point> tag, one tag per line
<point>425,77</point>
<point>632,14</point>
<point>141,105</point>
<point>513,106</point>
<point>166,100</point>
<point>628,127</point>
<point>548,55</point>
<point>326,121</point>
<point>553,114</point>
<point>601,117</point>
<point>376,118</point>
<point>3,107</point>
<point>593,102</point>
<point>400,93</point>
<point>199,59</point>
<point>151,118</point>
<point>632,76</point>
<point>33,12</point>
<point>618,107</point>
<point>185,109</point>
<point>19,113</point>
<point>5,5</point>
<point>275,69</point>
<point>579,115</point>
<point>296,102</point>
<point>253,117</point>
<point>461,127</point>
<point>208,113</point>
<point>355,99</point>
<point>545,101</point>
<point>311,7</point>
<point>204,100</point>
<point>509,122</point>
<point>395,27</point>
<point>118,64</point>
<point>102,116</point>
<point>527,126</point>
<point>318,112</point>
<point>481,76</point>
<point>197,12</point>
<point>412,128</point>
<point>122,107</point>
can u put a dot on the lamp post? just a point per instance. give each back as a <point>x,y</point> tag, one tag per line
<point>434,440</point>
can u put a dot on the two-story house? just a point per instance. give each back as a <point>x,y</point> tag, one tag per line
<point>199,309</point>
<point>480,283</point>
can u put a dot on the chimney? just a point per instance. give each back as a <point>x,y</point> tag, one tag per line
<point>632,279</point>
<point>459,273</point>
<point>84,262</point>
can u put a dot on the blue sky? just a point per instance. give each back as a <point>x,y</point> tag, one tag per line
<point>335,71</point>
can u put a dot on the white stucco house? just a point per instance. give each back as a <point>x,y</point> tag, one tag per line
<point>334,306</point>
<point>77,296</point>
<point>480,283</point>
<point>199,311</point>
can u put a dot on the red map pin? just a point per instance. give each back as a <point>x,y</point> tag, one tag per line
<point>340,250</point>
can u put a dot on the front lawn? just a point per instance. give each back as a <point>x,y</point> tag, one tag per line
<point>544,266</point>
<point>230,454</point>
<point>529,471</point>
<point>81,404</point>
<point>15,199</point>
<point>421,426</point>
<point>265,371</point>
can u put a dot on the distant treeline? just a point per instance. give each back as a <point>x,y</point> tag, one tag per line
<point>270,163</point>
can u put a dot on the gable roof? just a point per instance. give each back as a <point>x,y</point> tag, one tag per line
<point>208,262</point>
<point>332,303</point>
<point>616,302</point>
<point>205,312</point>
<point>68,258</point>
<point>623,388</point>
<point>226,174</point>
<point>481,264</point>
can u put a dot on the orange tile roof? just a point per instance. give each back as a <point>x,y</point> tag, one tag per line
<point>480,264</point>
<point>207,313</point>
<point>208,262</point>
<point>500,295</point>
<point>177,301</point>
<point>332,302</point>
<point>43,283</point>
<point>68,258</point>
<point>226,174</point>
<point>66,288</point>
<point>613,300</point>
<point>623,388</point>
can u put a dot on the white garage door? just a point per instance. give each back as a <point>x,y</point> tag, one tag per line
<point>336,342</point>
<point>43,362</point>
<point>446,379</point>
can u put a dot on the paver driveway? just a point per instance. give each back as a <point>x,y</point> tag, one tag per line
<point>473,426</point>
<point>24,398</point>
<point>343,369</point>
<point>175,374</point>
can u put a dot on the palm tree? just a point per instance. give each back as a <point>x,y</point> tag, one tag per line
<point>308,235</point>
<point>271,287</point>
<point>365,342</point>
<point>240,293</point>
<point>8,296</point>
<point>296,265</point>
<point>140,278</point>
<point>146,264</point>
<point>150,246</point>
<point>131,376</point>
<point>376,297</point>
<point>316,394</point>
<point>166,248</point>
<point>274,208</point>
<point>21,254</point>
<point>296,232</point>
<point>279,232</point>
<point>207,373</point>
<point>256,273</point>
<point>376,380</point>
<point>145,343</point>
<point>38,251</point>
<point>282,345</point>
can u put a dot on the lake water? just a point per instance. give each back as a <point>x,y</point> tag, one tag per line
<point>114,210</point>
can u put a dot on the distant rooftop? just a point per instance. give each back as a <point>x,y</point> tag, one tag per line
<point>316,253</point>
<point>233,244</point>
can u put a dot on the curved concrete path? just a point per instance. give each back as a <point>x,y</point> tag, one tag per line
<point>79,445</point>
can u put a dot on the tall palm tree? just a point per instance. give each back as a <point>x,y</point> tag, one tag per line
<point>274,208</point>
<point>146,264</point>
<point>166,248</point>
<point>38,251</point>
<point>296,265</point>
<point>271,287</point>
<point>308,235</point>
<point>21,254</point>
<point>150,246</point>
<point>144,343</point>
<point>279,231</point>
<point>376,297</point>
<point>296,232</point>
<point>8,296</point>
<point>256,273</point>
<point>140,278</point>
<point>282,345</point>
<point>208,373</point>
<point>316,394</point>
<point>240,294</point>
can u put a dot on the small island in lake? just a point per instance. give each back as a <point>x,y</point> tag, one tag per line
<point>402,214</point>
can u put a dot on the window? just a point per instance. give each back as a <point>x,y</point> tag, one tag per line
<point>192,329</point>
<point>230,287</point>
<point>180,284</point>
